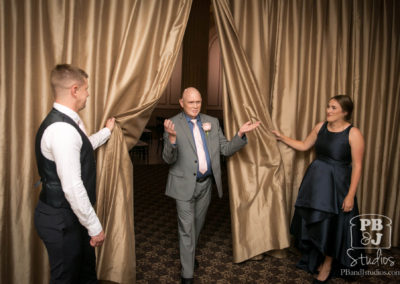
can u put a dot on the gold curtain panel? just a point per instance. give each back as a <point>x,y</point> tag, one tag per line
<point>129,49</point>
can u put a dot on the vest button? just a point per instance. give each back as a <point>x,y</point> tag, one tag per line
<point>194,174</point>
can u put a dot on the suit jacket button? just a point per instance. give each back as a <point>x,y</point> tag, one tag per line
<point>195,161</point>
<point>194,174</point>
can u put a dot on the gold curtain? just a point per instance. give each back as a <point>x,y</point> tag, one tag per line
<point>256,175</point>
<point>301,53</point>
<point>129,49</point>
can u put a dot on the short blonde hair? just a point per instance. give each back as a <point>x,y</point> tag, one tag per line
<point>62,74</point>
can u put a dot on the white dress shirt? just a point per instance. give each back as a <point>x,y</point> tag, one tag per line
<point>62,143</point>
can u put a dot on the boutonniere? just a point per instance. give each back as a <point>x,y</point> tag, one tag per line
<point>206,127</point>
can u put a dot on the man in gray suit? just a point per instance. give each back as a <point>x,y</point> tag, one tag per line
<point>193,143</point>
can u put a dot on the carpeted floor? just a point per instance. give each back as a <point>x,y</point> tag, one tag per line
<point>157,242</point>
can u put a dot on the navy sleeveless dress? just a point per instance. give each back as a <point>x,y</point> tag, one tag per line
<point>319,224</point>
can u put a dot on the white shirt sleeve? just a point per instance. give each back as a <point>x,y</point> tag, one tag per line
<point>100,137</point>
<point>62,144</point>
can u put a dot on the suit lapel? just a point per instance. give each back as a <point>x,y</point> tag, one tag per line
<point>185,127</point>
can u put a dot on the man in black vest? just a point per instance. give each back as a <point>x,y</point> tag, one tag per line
<point>64,217</point>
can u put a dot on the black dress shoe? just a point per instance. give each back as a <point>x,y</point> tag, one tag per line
<point>196,264</point>
<point>316,281</point>
<point>187,280</point>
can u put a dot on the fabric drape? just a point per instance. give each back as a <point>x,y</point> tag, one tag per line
<point>256,175</point>
<point>128,48</point>
<point>301,53</point>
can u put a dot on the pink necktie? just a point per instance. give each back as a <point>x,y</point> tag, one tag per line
<point>82,126</point>
<point>201,155</point>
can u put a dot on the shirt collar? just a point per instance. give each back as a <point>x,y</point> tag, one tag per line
<point>189,119</point>
<point>67,111</point>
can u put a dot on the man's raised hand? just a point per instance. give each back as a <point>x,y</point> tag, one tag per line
<point>247,127</point>
<point>169,127</point>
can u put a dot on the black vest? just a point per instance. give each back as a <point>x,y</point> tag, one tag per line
<point>52,193</point>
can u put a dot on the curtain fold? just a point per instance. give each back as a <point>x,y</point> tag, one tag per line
<point>129,49</point>
<point>136,94</point>
<point>309,69</point>
<point>256,175</point>
<point>375,84</point>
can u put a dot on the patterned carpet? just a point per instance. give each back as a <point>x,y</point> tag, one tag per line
<point>157,242</point>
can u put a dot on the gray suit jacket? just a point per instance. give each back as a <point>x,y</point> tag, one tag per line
<point>182,157</point>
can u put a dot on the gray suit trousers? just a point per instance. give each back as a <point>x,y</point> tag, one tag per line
<point>191,217</point>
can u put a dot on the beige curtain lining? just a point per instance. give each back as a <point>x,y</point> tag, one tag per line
<point>256,175</point>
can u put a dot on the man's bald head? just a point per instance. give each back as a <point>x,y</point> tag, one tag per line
<point>191,102</point>
<point>190,90</point>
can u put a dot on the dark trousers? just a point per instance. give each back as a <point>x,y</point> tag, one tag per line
<point>72,259</point>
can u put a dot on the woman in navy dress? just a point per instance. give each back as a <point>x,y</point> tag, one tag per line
<point>327,196</point>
